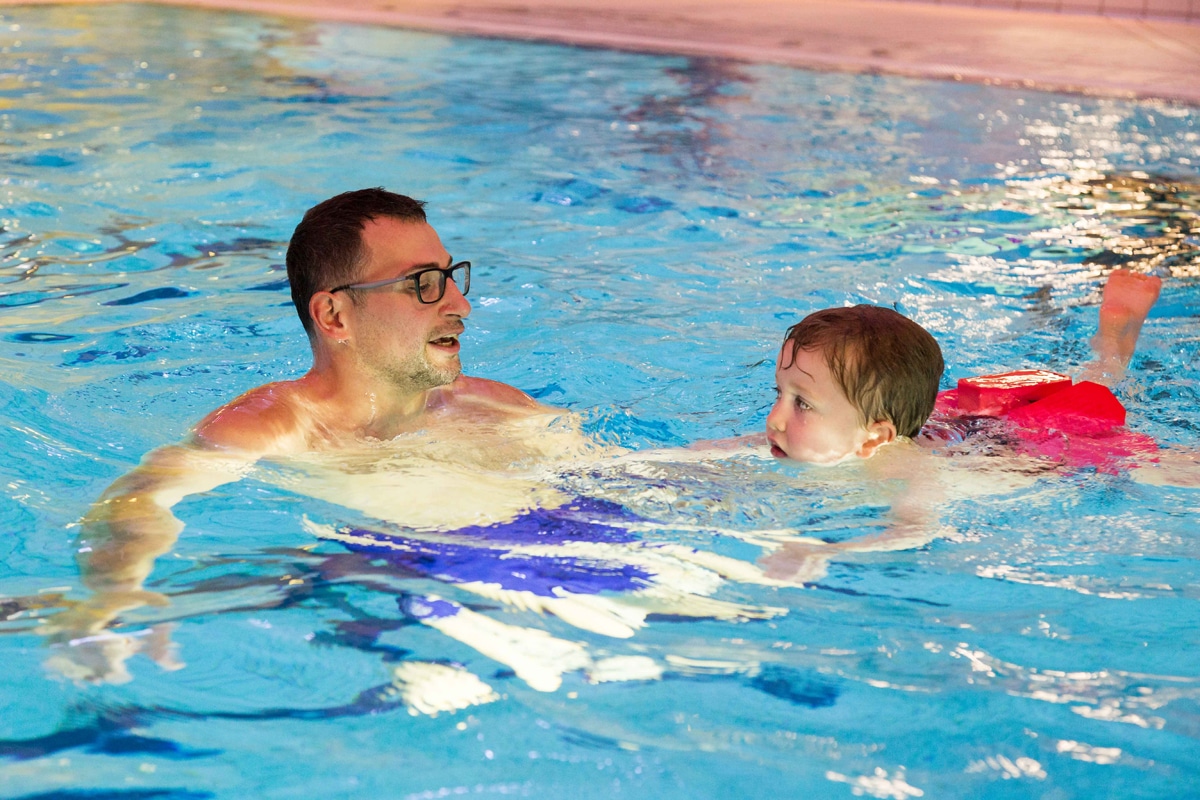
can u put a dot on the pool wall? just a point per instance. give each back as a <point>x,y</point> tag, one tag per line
<point>1129,48</point>
<point>1166,9</point>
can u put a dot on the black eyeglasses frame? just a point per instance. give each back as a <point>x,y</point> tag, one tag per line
<point>415,277</point>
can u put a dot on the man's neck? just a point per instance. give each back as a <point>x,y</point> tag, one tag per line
<point>364,406</point>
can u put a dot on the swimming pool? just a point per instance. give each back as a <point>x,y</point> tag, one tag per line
<point>643,229</point>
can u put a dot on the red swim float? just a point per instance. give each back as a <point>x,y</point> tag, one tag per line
<point>1079,425</point>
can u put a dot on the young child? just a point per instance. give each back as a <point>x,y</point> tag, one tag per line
<point>849,381</point>
<point>852,380</point>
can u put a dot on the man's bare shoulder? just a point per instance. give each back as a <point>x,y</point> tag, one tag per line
<point>467,390</point>
<point>270,419</point>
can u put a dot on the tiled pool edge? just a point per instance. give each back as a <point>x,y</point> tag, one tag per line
<point>1078,53</point>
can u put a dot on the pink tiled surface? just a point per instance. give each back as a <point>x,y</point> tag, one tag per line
<point>1162,9</point>
<point>1061,45</point>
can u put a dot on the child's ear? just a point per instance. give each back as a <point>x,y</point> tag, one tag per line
<point>879,433</point>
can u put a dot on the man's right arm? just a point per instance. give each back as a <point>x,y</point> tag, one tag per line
<point>124,532</point>
<point>132,524</point>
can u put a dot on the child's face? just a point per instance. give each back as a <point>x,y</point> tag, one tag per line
<point>812,419</point>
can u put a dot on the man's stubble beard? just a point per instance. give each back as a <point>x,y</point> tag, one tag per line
<point>417,374</point>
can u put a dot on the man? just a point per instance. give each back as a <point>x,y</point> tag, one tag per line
<point>386,423</point>
<point>383,304</point>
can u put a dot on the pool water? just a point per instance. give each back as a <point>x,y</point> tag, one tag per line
<point>643,228</point>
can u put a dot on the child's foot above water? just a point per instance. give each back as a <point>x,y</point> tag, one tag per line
<point>1127,299</point>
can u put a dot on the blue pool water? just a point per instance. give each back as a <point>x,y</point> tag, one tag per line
<point>643,230</point>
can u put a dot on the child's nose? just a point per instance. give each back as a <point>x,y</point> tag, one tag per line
<point>775,418</point>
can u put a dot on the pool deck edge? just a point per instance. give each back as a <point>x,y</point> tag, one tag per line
<point>1077,53</point>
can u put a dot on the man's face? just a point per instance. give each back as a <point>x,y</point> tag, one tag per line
<point>411,344</point>
<point>812,419</point>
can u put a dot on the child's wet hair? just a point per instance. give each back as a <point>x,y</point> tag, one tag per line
<point>887,365</point>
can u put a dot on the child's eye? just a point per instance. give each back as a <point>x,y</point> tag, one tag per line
<point>803,406</point>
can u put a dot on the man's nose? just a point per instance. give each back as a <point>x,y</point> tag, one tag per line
<point>454,302</point>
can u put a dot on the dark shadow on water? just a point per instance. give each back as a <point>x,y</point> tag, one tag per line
<point>118,794</point>
<point>796,687</point>
<point>107,733</point>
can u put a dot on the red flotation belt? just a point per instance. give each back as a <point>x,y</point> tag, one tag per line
<point>1078,424</point>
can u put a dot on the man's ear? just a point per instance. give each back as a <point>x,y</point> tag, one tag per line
<point>328,313</point>
<point>879,433</point>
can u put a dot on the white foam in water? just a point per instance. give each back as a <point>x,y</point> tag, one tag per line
<point>432,688</point>
<point>535,656</point>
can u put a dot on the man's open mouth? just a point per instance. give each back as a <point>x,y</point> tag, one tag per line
<point>450,340</point>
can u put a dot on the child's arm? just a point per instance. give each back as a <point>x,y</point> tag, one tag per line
<point>732,443</point>
<point>911,481</point>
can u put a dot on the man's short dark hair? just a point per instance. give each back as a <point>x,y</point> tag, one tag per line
<point>326,248</point>
<point>887,365</point>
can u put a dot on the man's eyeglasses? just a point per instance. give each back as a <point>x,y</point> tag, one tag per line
<point>430,283</point>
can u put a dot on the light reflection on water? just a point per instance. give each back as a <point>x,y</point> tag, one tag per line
<point>644,230</point>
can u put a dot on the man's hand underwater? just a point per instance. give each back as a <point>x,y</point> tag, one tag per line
<point>86,649</point>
